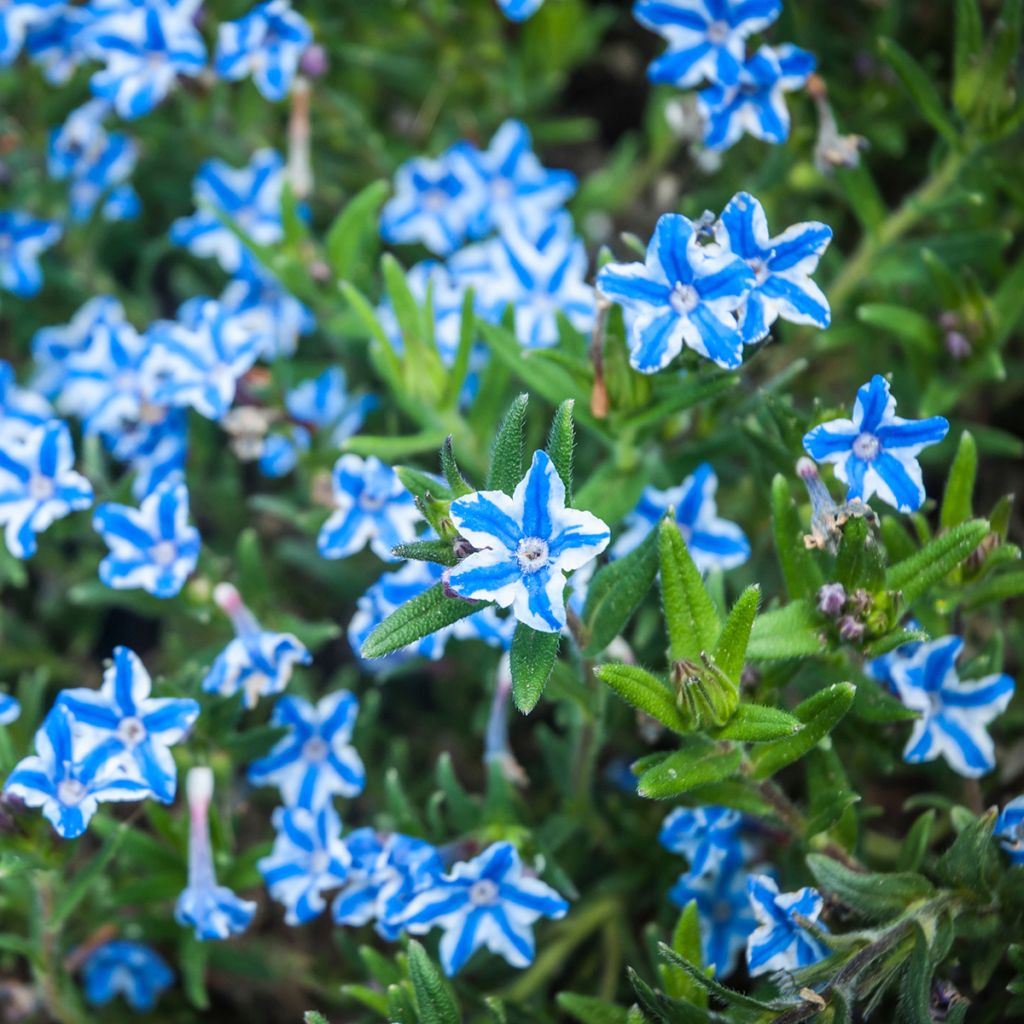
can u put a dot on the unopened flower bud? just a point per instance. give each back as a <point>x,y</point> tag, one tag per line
<point>831,599</point>
<point>314,63</point>
<point>851,629</point>
<point>861,601</point>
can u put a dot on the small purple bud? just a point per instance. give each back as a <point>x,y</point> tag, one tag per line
<point>314,63</point>
<point>831,599</point>
<point>861,601</point>
<point>958,345</point>
<point>850,628</point>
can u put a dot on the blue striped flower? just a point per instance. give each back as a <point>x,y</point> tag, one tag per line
<point>724,912</point>
<point>372,507</point>
<point>212,910</point>
<point>1009,829</point>
<point>708,837</point>
<point>130,969</point>
<point>198,359</point>
<point>757,103</point>
<point>707,39</point>
<point>782,267</point>
<point>145,47</point>
<point>57,44</point>
<point>713,542</point>
<point>954,713</point>
<point>258,662</point>
<point>487,901</point>
<point>22,239</point>
<point>10,709</point>
<point>136,730</point>
<point>881,668</point>
<point>781,942</point>
<point>153,547</point>
<point>249,196</point>
<point>876,451</point>
<point>683,293</point>
<point>67,785</point>
<point>316,761</point>
<point>267,43</point>
<point>386,872</point>
<point>520,10</point>
<point>156,451</point>
<point>38,486</point>
<point>21,409</point>
<point>17,19</point>
<point>308,859</point>
<point>266,309</point>
<point>525,545</point>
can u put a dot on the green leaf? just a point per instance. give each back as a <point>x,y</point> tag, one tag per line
<point>789,632</point>
<point>729,996</point>
<point>957,501</point>
<point>645,691</point>
<point>657,1008</point>
<point>252,572</point>
<point>616,591</point>
<point>561,440</point>
<point>915,1001</point>
<point>434,998</point>
<point>314,1017</point>
<point>757,723</point>
<point>84,881</point>
<point>922,90</point>
<point>915,575</point>
<point>450,468</point>
<point>860,562</point>
<point>532,659</point>
<point>690,615</point>
<point>459,369</point>
<point>688,768</point>
<point>588,1010</point>
<point>917,330</point>
<point>731,650</point>
<point>439,551</point>
<point>507,453</point>
<point>389,448</point>
<point>799,569</point>
<point>390,362</point>
<point>1003,587</point>
<point>874,895</point>
<point>353,235</point>
<point>971,862</point>
<point>192,958</point>
<point>420,355</point>
<point>968,40</point>
<point>425,614</point>
<point>686,942</point>
<point>820,715</point>
<point>914,847</point>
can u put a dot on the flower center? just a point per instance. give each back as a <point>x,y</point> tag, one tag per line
<point>319,862</point>
<point>532,554</point>
<point>718,32</point>
<point>372,501</point>
<point>723,912</point>
<point>435,200</point>
<point>760,269</point>
<point>483,893</point>
<point>70,791</point>
<point>41,488</point>
<point>866,446</point>
<point>131,731</point>
<point>684,298</point>
<point>164,553</point>
<point>314,749</point>
<point>501,189</point>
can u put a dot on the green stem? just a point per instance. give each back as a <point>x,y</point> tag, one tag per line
<point>47,969</point>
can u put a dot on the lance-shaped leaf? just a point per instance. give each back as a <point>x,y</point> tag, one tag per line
<point>459,369</point>
<point>439,551</point>
<point>820,714</point>
<point>419,351</point>
<point>874,895</point>
<point>686,942</point>
<point>690,615</point>
<point>915,575</point>
<point>507,453</point>
<point>616,591</point>
<point>860,562</point>
<point>757,723</point>
<point>434,998</point>
<point>957,500</point>
<point>972,861</point>
<point>352,236</point>
<point>799,569</point>
<point>922,90</point>
<point>731,650</point>
<point>561,441</point>
<point>646,692</point>
<point>456,479</point>
<point>532,659</point>
<point>590,1010</point>
<point>696,765</point>
<point>425,614</point>
<point>793,631</point>
<point>729,996</point>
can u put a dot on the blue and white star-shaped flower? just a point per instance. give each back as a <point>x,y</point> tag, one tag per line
<point>67,787</point>
<point>146,47</point>
<point>258,662</point>
<point>267,43</point>
<point>153,547</point>
<point>122,716</point>
<point>1009,829</point>
<point>56,44</point>
<point>22,239</point>
<point>781,942</point>
<point>525,544</point>
<point>708,837</point>
<point>212,910</point>
<point>954,713</point>
<point>487,901</point>
<point>881,668</point>
<point>20,17</point>
<point>683,293</point>
<point>276,315</point>
<point>723,908</point>
<point>38,485</point>
<point>876,451</point>
<point>520,10</point>
<point>10,709</point>
<point>757,103</point>
<point>308,859</point>
<point>782,267</point>
<point>316,761</point>
<point>130,969</point>
<point>22,410</point>
<point>198,359</point>
<point>707,39</point>
<point>372,506</point>
<point>714,543</point>
<point>385,873</point>
<point>249,196</point>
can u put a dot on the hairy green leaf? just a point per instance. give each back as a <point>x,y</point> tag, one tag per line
<point>688,768</point>
<point>425,614</point>
<point>875,895</point>
<point>957,501</point>
<point>645,691</point>
<point>507,454</point>
<point>532,659</point>
<point>922,90</point>
<point>353,235</point>
<point>561,440</point>
<point>434,999</point>
<point>731,650</point>
<point>792,631</point>
<point>690,615</point>
<point>915,575</point>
